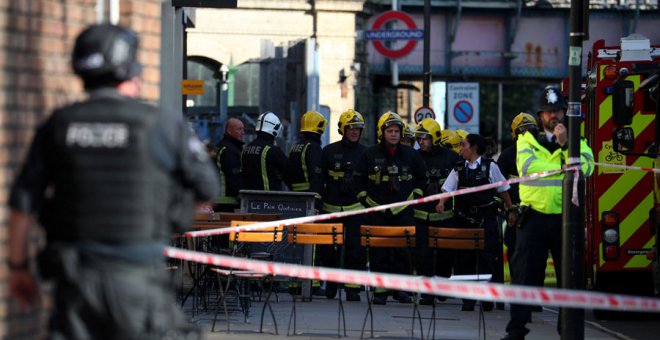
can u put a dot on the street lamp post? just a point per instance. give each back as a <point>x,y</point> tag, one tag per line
<point>224,71</point>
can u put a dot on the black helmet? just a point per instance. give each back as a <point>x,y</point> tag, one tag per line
<point>105,54</point>
<point>551,100</point>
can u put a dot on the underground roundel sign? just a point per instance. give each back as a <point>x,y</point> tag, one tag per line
<point>377,34</point>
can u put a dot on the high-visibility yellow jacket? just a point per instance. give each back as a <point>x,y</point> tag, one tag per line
<point>545,194</point>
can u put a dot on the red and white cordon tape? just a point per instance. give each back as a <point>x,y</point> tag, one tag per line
<point>627,167</point>
<point>324,217</point>
<point>435,286</point>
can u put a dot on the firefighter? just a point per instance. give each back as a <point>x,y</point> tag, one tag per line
<point>476,210</point>
<point>390,172</point>
<point>539,228</point>
<point>339,160</point>
<point>507,162</point>
<point>304,166</point>
<point>105,176</point>
<point>228,162</point>
<point>263,163</point>
<point>450,140</point>
<point>304,169</point>
<point>439,162</point>
<point>408,137</point>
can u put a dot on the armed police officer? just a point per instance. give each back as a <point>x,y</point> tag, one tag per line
<point>263,163</point>
<point>304,168</point>
<point>103,175</point>
<point>439,162</point>
<point>541,202</point>
<point>339,160</point>
<point>390,172</point>
<point>478,209</point>
<point>228,162</point>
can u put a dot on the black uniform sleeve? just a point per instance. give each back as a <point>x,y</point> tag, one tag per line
<point>231,166</point>
<point>314,168</point>
<point>360,176</point>
<point>420,173</point>
<point>278,160</point>
<point>27,192</point>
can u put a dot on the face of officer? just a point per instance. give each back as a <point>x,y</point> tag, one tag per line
<point>468,151</point>
<point>550,119</point>
<point>235,128</point>
<point>392,135</point>
<point>425,144</point>
<point>352,134</point>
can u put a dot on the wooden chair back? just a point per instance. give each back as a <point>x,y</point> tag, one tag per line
<point>316,233</point>
<point>270,234</point>
<point>457,238</point>
<point>387,236</point>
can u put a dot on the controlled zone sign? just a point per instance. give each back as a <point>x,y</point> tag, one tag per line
<point>377,35</point>
<point>423,113</point>
<point>463,106</point>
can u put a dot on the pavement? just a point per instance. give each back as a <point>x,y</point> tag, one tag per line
<point>318,319</point>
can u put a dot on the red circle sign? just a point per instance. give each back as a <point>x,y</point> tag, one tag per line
<point>387,17</point>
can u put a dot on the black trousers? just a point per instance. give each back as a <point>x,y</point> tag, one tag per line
<point>353,253</point>
<point>538,234</point>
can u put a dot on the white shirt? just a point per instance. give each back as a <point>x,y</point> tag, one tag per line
<point>494,175</point>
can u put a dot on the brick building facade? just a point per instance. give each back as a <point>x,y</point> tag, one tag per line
<point>36,38</point>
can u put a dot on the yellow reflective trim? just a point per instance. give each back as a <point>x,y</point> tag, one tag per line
<point>227,200</point>
<point>371,202</point>
<point>361,194</point>
<point>640,261</point>
<point>304,165</point>
<point>264,169</point>
<point>421,215</point>
<point>300,186</point>
<point>335,174</point>
<point>434,217</point>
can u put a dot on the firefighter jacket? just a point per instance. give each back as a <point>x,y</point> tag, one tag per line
<point>339,160</point>
<point>545,194</point>
<point>108,169</point>
<point>507,164</point>
<point>386,175</point>
<point>304,166</point>
<point>228,162</point>
<point>439,163</point>
<point>262,164</point>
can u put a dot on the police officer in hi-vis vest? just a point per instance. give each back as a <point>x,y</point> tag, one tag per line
<point>109,178</point>
<point>539,228</point>
<point>338,161</point>
<point>390,172</point>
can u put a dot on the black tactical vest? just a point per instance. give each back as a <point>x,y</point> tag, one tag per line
<point>108,187</point>
<point>468,178</point>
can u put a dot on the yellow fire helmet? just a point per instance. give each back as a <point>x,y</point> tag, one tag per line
<point>450,139</point>
<point>429,128</point>
<point>462,133</point>
<point>521,123</point>
<point>350,118</point>
<point>408,132</point>
<point>313,121</point>
<point>387,119</point>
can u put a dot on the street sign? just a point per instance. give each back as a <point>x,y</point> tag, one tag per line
<point>376,34</point>
<point>192,87</point>
<point>463,106</point>
<point>423,113</point>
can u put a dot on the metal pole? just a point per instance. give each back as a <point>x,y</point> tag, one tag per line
<point>572,266</point>
<point>427,51</point>
<point>500,113</point>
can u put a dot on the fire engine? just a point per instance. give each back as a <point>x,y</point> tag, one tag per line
<point>622,205</point>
